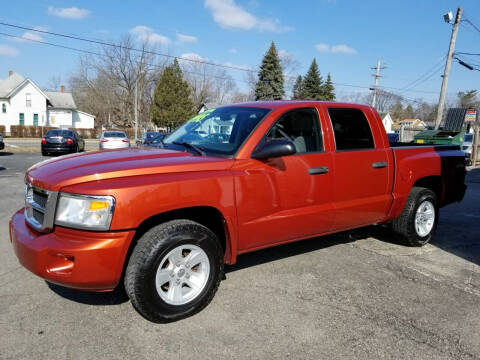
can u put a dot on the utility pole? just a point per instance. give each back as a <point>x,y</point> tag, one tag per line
<point>376,76</point>
<point>443,91</point>
<point>135,110</point>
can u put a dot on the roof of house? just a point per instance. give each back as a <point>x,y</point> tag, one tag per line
<point>9,84</point>
<point>61,100</point>
<point>410,121</point>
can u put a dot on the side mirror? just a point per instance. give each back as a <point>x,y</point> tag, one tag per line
<point>274,148</point>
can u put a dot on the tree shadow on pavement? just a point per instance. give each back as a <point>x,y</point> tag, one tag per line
<point>115,297</point>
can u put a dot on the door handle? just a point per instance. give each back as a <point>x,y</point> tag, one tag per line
<point>318,170</point>
<point>379,164</point>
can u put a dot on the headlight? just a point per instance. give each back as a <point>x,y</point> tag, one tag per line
<point>85,211</point>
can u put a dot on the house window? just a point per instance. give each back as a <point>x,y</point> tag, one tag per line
<point>35,119</point>
<point>4,108</point>
<point>28,98</point>
<point>21,119</point>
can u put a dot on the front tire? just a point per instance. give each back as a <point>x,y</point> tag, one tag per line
<point>418,221</point>
<point>174,271</point>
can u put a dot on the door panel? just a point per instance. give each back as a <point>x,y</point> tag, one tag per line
<point>362,169</point>
<point>362,195</point>
<point>278,200</point>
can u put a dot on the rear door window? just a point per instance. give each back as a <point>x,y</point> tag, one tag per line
<point>351,128</point>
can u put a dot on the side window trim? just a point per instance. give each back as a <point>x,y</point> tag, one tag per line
<point>320,132</point>
<point>333,130</point>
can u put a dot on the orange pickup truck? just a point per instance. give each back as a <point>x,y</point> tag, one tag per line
<point>163,222</point>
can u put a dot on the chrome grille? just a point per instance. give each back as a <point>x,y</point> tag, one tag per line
<point>40,208</point>
<point>40,198</point>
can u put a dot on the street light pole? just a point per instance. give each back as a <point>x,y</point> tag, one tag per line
<point>443,91</point>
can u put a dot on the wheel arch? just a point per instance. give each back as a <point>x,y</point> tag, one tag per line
<point>208,216</point>
<point>433,183</point>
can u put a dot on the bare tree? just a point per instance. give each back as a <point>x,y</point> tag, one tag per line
<point>105,85</point>
<point>208,83</point>
<point>54,83</point>
<point>290,67</point>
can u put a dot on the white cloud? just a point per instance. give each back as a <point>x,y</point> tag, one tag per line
<point>229,15</point>
<point>322,47</point>
<point>336,49</point>
<point>8,50</point>
<point>193,57</point>
<point>30,35</point>
<point>186,38</point>
<point>233,51</point>
<point>343,49</point>
<point>188,58</point>
<point>146,34</point>
<point>69,13</point>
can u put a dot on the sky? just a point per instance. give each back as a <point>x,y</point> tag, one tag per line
<point>346,37</point>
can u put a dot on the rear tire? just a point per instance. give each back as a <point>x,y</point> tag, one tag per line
<point>418,221</point>
<point>44,153</point>
<point>174,271</point>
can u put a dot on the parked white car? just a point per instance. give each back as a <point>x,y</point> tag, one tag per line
<point>114,140</point>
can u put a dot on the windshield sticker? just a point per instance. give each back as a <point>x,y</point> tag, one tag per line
<point>201,116</point>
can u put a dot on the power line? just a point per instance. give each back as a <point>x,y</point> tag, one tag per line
<point>466,53</point>
<point>154,53</point>
<point>98,42</point>
<point>425,76</point>
<point>99,54</point>
<point>472,24</point>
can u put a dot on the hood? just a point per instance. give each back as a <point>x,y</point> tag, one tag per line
<point>53,174</point>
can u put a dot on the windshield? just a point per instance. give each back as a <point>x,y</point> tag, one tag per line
<point>468,138</point>
<point>158,139</point>
<point>219,131</point>
<point>111,134</point>
<point>59,133</point>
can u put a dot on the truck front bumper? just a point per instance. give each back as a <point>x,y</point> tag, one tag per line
<point>78,259</point>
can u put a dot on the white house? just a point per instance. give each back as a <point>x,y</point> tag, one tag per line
<point>387,123</point>
<point>23,103</point>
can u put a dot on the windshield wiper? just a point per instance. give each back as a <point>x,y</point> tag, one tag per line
<point>196,148</point>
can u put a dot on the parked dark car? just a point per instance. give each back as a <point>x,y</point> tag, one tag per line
<point>2,144</point>
<point>147,138</point>
<point>157,141</point>
<point>58,141</point>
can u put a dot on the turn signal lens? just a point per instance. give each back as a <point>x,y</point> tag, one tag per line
<point>69,141</point>
<point>44,141</point>
<point>98,205</point>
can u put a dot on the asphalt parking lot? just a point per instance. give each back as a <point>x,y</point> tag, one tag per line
<point>351,295</point>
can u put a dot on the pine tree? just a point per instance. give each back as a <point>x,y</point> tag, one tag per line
<point>312,83</point>
<point>328,89</point>
<point>172,104</point>
<point>270,77</point>
<point>298,88</point>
